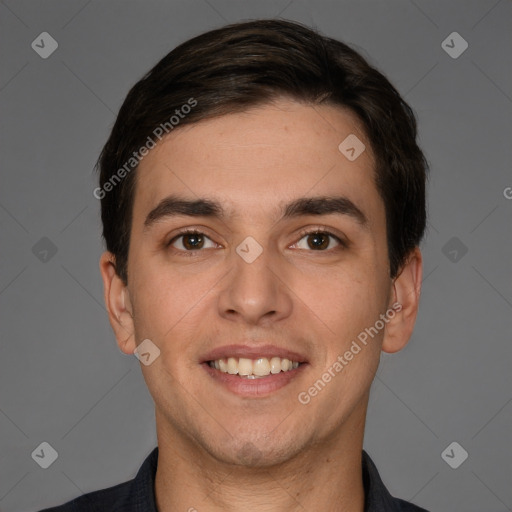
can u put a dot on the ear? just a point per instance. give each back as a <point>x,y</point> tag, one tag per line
<point>117,301</point>
<point>405,299</point>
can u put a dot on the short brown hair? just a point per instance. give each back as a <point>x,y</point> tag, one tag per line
<point>249,64</point>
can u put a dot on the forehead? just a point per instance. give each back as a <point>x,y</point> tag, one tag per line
<point>257,160</point>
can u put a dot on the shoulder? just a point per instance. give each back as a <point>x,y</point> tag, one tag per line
<point>377,497</point>
<point>104,499</point>
<point>405,506</point>
<point>134,495</point>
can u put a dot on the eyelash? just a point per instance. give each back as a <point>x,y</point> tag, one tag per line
<point>319,230</point>
<point>314,231</point>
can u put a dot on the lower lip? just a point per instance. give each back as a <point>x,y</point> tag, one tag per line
<point>258,387</point>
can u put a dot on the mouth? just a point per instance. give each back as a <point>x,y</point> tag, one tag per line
<point>253,371</point>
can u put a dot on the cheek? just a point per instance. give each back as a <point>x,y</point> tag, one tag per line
<point>166,300</point>
<point>347,299</point>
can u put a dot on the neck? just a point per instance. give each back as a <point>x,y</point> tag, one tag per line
<point>324,476</point>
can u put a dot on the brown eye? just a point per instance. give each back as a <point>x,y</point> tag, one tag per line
<point>319,241</point>
<point>192,241</point>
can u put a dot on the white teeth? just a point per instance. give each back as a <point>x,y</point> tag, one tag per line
<point>254,368</point>
<point>232,366</point>
<point>261,366</point>
<point>223,365</point>
<point>275,365</point>
<point>244,366</point>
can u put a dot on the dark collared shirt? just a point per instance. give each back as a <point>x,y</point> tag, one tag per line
<point>138,495</point>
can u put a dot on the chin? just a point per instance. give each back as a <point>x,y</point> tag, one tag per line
<point>251,451</point>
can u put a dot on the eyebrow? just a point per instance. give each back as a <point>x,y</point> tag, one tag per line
<point>321,205</point>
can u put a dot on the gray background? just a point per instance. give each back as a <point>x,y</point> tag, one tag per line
<point>63,379</point>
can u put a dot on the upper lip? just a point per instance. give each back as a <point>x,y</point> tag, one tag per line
<point>252,352</point>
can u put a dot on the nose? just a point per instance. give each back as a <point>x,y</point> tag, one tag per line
<point>255,291</point>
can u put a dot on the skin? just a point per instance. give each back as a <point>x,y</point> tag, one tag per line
<point>219,451</point>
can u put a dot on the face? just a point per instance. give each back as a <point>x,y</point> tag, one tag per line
<point>262,277</point>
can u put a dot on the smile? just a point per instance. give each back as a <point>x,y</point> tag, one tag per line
<point>253,368</point>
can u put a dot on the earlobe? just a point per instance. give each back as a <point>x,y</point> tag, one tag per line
<point>118,304</point>
<point>406,293</point>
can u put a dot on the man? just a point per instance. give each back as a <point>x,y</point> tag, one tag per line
<point>263,200</point>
